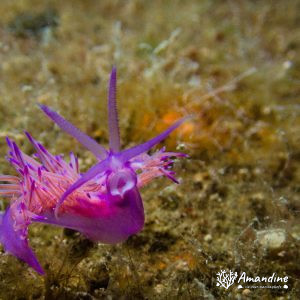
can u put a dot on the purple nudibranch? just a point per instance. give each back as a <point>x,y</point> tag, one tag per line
<point>104,203</point>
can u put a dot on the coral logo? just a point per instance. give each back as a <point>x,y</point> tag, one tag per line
<point>225,279</point>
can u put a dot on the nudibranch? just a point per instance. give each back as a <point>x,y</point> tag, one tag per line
<point>104,204</point>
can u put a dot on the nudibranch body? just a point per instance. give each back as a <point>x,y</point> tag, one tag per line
<point>104,203</point>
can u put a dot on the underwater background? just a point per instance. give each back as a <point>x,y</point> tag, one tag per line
<point>233,66</point>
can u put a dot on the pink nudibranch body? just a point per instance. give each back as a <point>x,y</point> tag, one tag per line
<point>104,203</point>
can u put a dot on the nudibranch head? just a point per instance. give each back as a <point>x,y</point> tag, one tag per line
<point>104,203</point>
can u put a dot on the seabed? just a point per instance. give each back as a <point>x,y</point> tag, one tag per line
<point>232,65</point>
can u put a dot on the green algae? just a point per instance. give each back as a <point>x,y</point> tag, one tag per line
<point>234,66</point>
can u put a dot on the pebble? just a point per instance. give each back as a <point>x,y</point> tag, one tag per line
<point>246,292</point>
<point>271,239</point>
<point>159,288</point>
<point>207,238</point>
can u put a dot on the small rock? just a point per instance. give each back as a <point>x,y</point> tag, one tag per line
<point>207,238</point>
<point>271,239</point>
<point>246,292</point>
<point>159,288</point>
<point>201,177</point>
<point>281,253</point>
